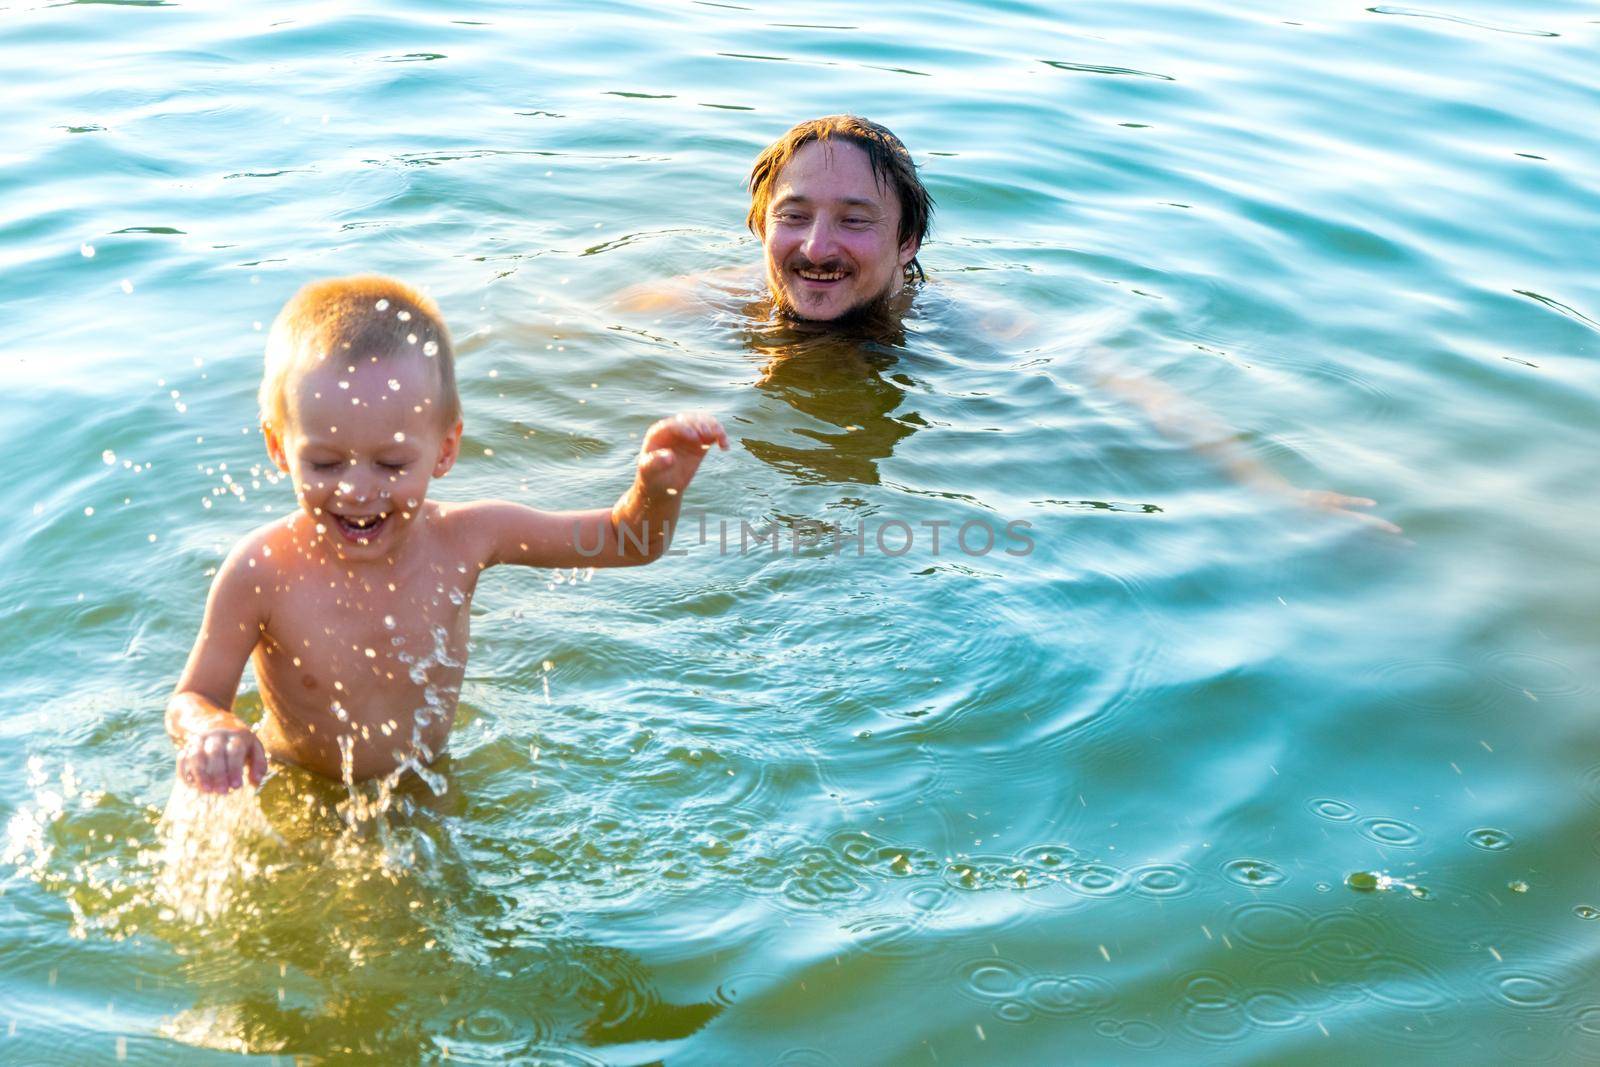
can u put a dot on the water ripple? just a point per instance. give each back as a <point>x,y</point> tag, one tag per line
<point>1384,9</point>
<point>1329,808</point>
<point>1257,874</point>
<point>1489,839</point>
<point>1393,833</point>
<point>1271,926</point>
<point>1163,880</point>
<point>1073,994</point>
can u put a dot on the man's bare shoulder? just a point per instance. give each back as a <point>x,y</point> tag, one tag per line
<point>705,289</point>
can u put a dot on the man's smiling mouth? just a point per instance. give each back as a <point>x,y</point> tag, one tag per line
<point>819,275</point>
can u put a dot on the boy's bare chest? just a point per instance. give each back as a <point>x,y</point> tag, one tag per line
<point>361,645</point>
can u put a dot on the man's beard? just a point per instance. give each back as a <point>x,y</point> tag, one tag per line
<point>871,316</point>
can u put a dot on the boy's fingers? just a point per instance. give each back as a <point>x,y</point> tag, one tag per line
<point>235,749</point>
<point>258,763</point>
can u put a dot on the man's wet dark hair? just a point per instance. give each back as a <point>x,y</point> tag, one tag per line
<point>891,166</point>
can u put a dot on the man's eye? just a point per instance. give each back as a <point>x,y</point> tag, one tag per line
<point>856,220</point>
<point>789,216</point>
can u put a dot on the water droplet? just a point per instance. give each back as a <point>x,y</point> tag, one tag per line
<point>394,385</point>
<point>1517,885</point>
<point>87,250</point>
<point>1489,839</point>
<point>88,511</point>
<point>388,622</point>
<point>431,348</point>
<point>1257,873</point>
<point>399,436</point>
<point>382,305</point>
<point>403,316</point>
<point>127,286</point>
<point>108,457</point>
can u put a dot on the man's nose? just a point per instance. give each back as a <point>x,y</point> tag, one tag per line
<point>819,243</point>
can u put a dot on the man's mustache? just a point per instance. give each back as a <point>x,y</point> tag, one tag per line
<point>827,266</point>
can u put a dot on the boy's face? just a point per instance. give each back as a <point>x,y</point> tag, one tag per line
<point>361,441</point>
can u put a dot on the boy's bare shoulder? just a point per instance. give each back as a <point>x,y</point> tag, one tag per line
<point>267,550</point>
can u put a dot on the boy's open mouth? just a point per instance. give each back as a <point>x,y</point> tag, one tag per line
<point>360,529</point>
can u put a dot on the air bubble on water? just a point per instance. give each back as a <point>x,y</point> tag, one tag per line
<point>382,305</point>
<point>109,458</point>
<point>1517,886</point>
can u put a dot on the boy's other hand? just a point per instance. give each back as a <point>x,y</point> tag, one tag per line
<point>216,761</point>
<point>673,449</point>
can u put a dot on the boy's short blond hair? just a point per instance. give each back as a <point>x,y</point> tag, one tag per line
<point>365,316</point>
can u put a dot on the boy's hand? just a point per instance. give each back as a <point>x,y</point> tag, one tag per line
<point>673,449</point>
<point>216,761</point>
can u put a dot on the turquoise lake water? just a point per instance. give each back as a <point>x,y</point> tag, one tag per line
<point>1206,776</point>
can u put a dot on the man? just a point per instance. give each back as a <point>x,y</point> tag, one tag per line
<point>841,215</point>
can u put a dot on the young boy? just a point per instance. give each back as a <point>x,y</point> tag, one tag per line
<point>354,609</point>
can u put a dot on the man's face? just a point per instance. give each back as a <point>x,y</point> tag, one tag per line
<point>831,235</point>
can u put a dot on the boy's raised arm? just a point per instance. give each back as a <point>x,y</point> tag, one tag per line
<point>216,748</point>
<point>637,529</point>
